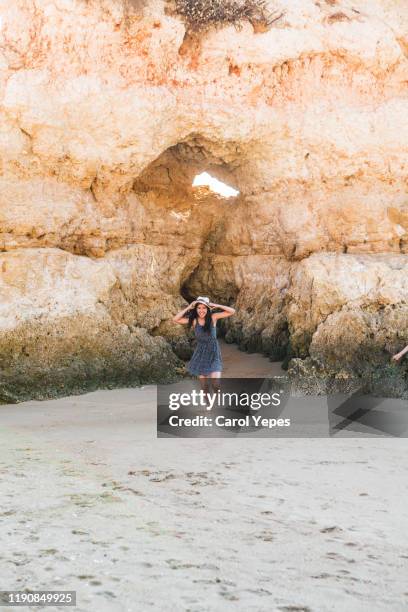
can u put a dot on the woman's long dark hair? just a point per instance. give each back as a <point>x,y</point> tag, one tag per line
<point>193,314</point>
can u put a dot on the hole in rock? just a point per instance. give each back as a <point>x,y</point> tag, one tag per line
<point>205,179</point>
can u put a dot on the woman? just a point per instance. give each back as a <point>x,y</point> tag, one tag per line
<point>206,362</point>
<point>398,356</point>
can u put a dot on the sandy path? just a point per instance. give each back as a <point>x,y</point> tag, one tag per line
<point>92,501</point>
<point>248,365</point>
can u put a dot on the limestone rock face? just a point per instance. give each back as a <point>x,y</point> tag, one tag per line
<point>349,314</point>
<point>109,108</point>
<point>66,325</point>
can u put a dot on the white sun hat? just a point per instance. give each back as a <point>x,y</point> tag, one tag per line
<point>203,300</point>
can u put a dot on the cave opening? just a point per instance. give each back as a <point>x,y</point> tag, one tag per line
<point>204,179</point>
<point>186,197</point>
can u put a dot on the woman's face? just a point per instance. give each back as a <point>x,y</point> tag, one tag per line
<point>201,310</point>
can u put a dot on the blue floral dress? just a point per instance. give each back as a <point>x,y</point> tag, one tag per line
<point>207,354</point>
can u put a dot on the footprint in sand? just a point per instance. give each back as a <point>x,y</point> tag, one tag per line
<point>330,529</point>
<point>294,609</point>
<point>85,500</point>
<point>266,536</point>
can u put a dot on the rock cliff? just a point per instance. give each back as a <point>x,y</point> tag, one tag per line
<point>109,108</point>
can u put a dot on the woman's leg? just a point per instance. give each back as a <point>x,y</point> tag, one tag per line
<point>205,385</point>
<point>216,381</point>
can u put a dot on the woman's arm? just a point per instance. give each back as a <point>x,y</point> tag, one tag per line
<point>228,311</point>
<point>180,318</point>
<point>398,356</point>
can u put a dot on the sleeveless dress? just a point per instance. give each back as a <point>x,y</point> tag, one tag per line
<point>207,354</point>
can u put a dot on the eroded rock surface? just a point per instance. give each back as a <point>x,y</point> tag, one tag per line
<point>109,108</point>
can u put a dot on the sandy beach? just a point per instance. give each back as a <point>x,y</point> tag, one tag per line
<point>93,502</point>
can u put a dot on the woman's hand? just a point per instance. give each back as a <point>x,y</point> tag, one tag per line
<point>180,318</point>
<point>398,356</point>
<point>228,311</point>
